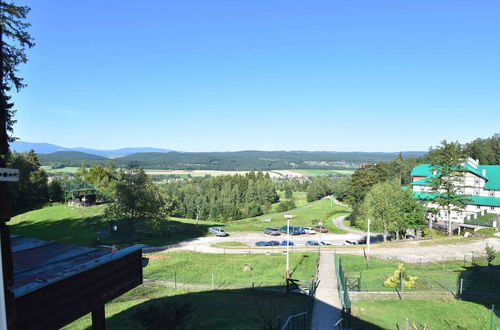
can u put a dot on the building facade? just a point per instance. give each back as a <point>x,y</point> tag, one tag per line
<point>480,183</point>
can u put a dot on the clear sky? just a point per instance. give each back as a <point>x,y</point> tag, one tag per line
<point>212,75</point>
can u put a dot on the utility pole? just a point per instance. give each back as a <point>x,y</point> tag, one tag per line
<point>368,237</point>
<point>287,270</point>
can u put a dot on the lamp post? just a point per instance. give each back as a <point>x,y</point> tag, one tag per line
<point>287,270</point>
<point>368,237</point>
<point>320,230</point>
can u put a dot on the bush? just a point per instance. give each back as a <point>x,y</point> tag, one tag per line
<point>285,206</point>
<point>394,280</point>
<point>158,315</point>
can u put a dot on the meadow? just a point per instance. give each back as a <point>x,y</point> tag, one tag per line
<point>422,314</point>
<point>312,172</point>
<point>81,226</point>
<point>229,270</point>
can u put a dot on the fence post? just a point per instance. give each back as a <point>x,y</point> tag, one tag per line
<point>461,287</point>
<point>491,317</point>
<point>175,280</point>
<point>401,284</point>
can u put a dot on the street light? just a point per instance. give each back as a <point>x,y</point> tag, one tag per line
<point>320,230</point>
<point>287,270</point>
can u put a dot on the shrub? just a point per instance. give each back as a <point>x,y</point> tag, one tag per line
<point>394,280</point>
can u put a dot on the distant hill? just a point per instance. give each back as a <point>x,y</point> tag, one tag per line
<point>230,161</point>
<point>70,158</point>
<point>47,148</point>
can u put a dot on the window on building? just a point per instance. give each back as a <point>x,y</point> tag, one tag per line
<point>478,207</point>
<point>491,193</point>
<point>492,208</point>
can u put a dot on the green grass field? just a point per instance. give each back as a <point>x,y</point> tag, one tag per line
<point>324,172</point>
<point>324,211</point>
<point>435,314</point>
<point>299,197</point>
<point>80,226</point>
<point>49,169</point>
<point>431,276</point>
<point>218,309</point>
<point>228,269</point>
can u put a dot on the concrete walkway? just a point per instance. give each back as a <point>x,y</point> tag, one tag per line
<point>327,306</point>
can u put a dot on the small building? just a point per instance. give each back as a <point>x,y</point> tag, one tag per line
<point>55,284</point>
<point>80,194</point>
<point>480,183</point>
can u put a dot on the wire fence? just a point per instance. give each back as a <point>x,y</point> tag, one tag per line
<point>303,320</point>
<point>343,291</point>
<point>470,277</point>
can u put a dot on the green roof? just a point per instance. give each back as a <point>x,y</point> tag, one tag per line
<point>476,200</point>
<point>492,176</point>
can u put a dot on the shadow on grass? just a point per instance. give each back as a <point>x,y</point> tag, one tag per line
<point>481,284</point>
<point>96,230</point>
<point>225,309</point>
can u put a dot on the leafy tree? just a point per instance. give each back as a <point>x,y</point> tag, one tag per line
<point>15,41</point>
<point>487,151</point>
<point>447,165</point>
<point>56,192</point>
<point>285,206</point>
<point>31,191</point>
<point>288,192</point>
<point>137,199</point>
<point>391,209</point>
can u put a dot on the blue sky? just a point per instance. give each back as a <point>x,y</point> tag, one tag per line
<point>216,75</point>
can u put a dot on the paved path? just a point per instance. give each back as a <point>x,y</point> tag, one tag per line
<point>327,306</point>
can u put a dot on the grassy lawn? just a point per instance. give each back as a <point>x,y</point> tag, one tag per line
<point>435,314</point>
<point>219,309</point>
<point>299,197</point>
<point>80,226</point>
<point>229,244</point>
<point>49,169</point>
<point>430,275</point>
<point>323,172</point>
<point>228,269</point>
<point>323,211</point>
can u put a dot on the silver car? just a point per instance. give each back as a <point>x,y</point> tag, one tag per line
<point>217,231</point>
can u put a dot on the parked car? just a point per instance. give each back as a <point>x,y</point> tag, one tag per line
<point>262,243</point>
<point>309,230</point>
<point>350,242</point>
<point>217,231</point>
<point>312,243</point>
<point>321,229</point>
<point>274,243</point>
<point>324,243</point>
<point>294,230</point>
<point>272,231</point>
<point>290,243</point>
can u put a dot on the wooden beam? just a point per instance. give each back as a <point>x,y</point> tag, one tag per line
<point>99,319</point>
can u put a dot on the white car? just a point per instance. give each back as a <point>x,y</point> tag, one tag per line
<point>350,242</point>
<point>309,230</point>
<point>217,231</point>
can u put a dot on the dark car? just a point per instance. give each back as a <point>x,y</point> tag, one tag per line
<point>263,243</point>
<point>272,231</point>
<point>274,243</point>
<point>294,230</point>
<point>321,229</point>
<point>312,243</point>
<point>284,243</point>
<point>324,243</point>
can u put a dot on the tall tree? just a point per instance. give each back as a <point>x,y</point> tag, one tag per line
<point>137,198</point>
<point>14,40</point>
<point>391,209</point>
<point>448,178</point>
